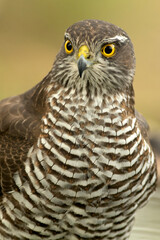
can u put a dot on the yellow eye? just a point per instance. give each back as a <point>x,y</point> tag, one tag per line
<point>108,50</point>
<point>68,47</point>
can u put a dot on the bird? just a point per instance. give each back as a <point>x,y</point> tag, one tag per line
<point>75,157</point>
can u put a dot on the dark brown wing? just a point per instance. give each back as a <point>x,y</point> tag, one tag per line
<point>17,117</point>
<point>20,119</point>
<point>143,125</point>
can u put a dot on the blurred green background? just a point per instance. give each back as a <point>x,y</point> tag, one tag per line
<point>31,33</point>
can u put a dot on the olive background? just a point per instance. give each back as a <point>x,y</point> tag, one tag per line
<point>31,33</point>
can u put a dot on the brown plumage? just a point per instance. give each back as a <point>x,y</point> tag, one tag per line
<point>75,157</point>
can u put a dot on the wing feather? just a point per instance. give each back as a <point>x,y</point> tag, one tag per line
<point>20,120</point>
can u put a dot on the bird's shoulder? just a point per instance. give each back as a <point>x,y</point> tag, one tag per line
<point>18,116</point>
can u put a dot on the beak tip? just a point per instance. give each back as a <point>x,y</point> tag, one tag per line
<point>80,74</point>
<point>82,65</point>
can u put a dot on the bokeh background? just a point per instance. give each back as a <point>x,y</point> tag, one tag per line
<point>31,33</point>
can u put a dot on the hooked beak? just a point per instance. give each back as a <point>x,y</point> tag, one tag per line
<point>83,61</point>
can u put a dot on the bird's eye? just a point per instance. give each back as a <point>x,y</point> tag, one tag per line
<point>108,50</point>
<point>68,47</point>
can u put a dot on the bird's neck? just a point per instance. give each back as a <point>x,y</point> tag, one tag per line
<point>102,100</point>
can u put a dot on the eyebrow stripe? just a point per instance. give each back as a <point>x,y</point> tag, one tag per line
<point>119,38</point>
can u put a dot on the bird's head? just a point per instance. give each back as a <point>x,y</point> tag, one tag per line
<point>95,55</point>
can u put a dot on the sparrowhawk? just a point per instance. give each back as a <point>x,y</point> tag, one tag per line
<point>75,159</point>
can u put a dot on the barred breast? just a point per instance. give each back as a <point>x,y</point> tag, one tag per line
<point>88,173</point>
